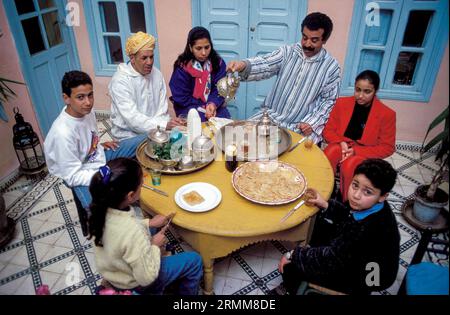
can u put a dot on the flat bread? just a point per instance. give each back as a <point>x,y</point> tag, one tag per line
<point>270,182</point>
<point>193,198</point>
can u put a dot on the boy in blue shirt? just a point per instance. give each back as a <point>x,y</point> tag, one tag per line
<point>355,246</point>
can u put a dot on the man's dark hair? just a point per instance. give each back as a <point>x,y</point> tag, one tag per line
<point>316,20</point>
<point>380,173</point>
<point>72,79</point>
<point>370,76</point>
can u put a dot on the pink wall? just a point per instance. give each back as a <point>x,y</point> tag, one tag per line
<point>173,21</point>
<point>10,69</point>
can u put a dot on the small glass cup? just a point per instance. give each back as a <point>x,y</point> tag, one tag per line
<point>156,176</point>
<point>309,143</point>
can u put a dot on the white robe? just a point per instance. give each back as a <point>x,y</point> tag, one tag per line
<point>139,103</point>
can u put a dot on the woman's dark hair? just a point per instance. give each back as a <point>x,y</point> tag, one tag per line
<point>195,34</point>
<point>380,173</point>
<point>317,20</point>
<point>72,79</point>
<point>109,191</point>
<point>370,76</point>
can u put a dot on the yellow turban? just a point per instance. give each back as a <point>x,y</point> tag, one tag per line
<point>139,41</point>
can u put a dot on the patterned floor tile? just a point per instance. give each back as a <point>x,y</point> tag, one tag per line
<point>235,271</point>
<point>27,287</point>
<point>50,279</point>
<point>232,285</point>
<point>219,284</point>
<point>11,287</point>
<point>58,259</point>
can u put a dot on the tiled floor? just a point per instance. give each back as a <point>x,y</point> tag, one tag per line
<point>49,248</point>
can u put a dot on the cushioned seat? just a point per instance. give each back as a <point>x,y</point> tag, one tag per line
<point>427,279</point>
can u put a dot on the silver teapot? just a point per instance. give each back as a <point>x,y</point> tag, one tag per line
<point>203,149</point>
<point>156,138</point>
<point>265,123</point>
<point>228,86</point>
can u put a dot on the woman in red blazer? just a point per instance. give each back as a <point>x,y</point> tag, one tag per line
<point>359,127</point>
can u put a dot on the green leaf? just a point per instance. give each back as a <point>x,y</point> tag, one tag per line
<point>441,137</point>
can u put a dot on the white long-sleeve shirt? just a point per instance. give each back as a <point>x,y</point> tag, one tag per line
<point>72,149</point>
<point>305,89</point>
<point>139,103</point>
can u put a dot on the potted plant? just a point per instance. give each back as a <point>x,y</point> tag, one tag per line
<point>429,199</point>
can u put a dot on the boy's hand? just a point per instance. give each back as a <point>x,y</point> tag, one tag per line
<point>284,261</point>
<point>110,145</point>
<point>313,198</point>
<point>159,239</point>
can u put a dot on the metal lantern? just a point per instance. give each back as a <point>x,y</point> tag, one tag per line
<point>27,146</point>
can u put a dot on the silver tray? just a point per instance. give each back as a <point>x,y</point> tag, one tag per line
<point>149,163</point>
<point>222,141</point>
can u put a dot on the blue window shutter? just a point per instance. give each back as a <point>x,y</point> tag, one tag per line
<point>94,22</point>
<point>378,48</point>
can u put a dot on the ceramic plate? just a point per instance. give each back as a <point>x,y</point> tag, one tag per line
<point>210,193</point>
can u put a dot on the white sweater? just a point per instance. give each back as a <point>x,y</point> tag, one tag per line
<point>72,149</point>
<point>127,258</point>
<point>139,103</point>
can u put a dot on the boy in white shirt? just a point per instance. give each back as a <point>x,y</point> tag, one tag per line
<point>72,146</point>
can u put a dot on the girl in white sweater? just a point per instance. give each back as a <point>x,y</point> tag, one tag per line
<point>126,254</point>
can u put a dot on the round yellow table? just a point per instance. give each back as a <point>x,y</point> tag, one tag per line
<point>237,222</point>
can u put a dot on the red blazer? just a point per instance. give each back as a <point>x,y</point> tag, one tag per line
<point>378,138</point>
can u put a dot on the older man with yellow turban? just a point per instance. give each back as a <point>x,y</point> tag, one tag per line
<point>138,92</point>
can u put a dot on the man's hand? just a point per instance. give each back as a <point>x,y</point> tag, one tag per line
<point>236,65</point>
<point>110,145</point>
<point>284,261</point>
<point>175,122</point>
<point>160,220</point>
<point>159,239</point>
<point>305,128</point>
<point>211,110</point>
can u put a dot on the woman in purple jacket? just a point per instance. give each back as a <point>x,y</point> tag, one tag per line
<point>195,75</point>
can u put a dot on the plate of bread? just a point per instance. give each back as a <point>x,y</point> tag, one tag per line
<point>198,197</point>
<point>269,182</point>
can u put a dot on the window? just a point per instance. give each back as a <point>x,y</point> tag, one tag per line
<point>403,41</point>
<point>110,23</point>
